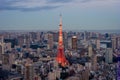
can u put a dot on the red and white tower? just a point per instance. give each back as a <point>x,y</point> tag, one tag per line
<point>60,56</point>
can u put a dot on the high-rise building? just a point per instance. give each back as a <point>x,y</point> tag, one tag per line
<point>65,40</point>
<point>0,53</point>
<point>85,36</point>
<point>109,55</point>
<point>29,72</point>
<point>55,38</point>
<point>50,41</point>
<point>60,56</point>
<point>33,36</point>
<point>21,40</point>
<point>90,51</point>
<point>74,42</point>
<point>7,47</point>
<point>84,75</point>
<point>94,62</point>
<point>1,47</point>
<point>118,42</point>
<point>69,43</point>
<point>6,61</point>
<point>38,36</point>
<point>98,44</point>
<point>11,58</point>
<point>118,68</point>
<point>114,45</point>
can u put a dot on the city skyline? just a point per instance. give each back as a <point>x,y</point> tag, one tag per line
<point>44,14</point>
<point>63,55</point>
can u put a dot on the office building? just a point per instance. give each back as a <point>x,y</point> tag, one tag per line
<point>109,55</point>
<point>74,42</point>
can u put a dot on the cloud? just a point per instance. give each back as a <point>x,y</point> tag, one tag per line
<point>26,5</point>
<point>60,1</point>
<point>36,5</point>
<point>31,5</point>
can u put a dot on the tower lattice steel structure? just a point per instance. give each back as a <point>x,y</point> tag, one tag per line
<point>61,59</point>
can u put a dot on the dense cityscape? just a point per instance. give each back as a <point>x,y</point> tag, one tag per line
<point>59,55</point>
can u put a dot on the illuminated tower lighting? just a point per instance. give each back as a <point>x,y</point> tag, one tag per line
<point>60,56</point>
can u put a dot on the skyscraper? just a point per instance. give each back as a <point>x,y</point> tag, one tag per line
<point>50,41</point>
<point>1,47</point>
<point>74,42</point>
<point>94,62</point>
<point>0,53</point>
<point>90,51</point>
<point>60,56</point>
<point>109,55</point>
<point>118,42</point>
<point>98,44</point>
<point>29,74</point>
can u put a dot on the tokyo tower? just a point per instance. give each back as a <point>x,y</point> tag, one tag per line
<point>60,55</point>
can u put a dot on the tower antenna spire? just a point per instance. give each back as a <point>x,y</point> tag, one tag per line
<point>60,19</point>
<point>60,56</point>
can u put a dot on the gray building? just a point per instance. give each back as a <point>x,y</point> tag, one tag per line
<point>109,55</point>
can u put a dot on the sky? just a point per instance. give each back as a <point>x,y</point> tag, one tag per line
<point>44,14</point>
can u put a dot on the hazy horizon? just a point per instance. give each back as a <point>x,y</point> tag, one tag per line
<point>100,31</point>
